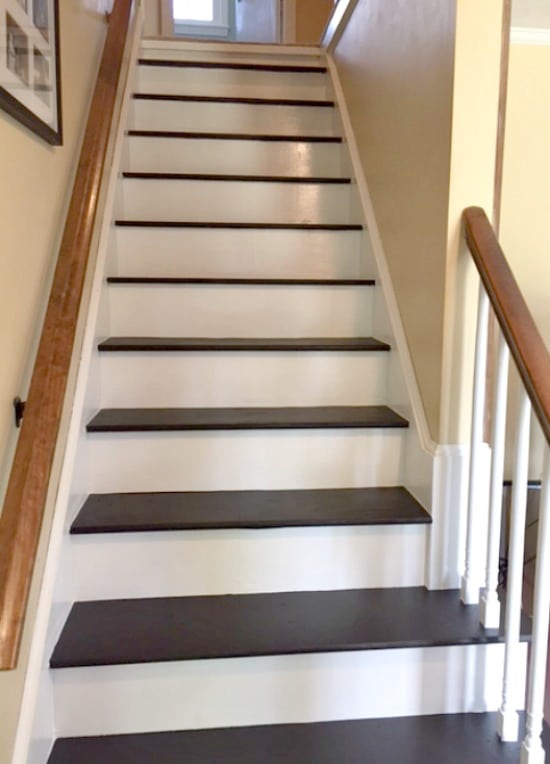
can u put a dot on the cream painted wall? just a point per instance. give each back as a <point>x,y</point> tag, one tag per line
<point>525,234</point>
<point>34,192</point>
<point>395,59</point>
<point>422,84</point>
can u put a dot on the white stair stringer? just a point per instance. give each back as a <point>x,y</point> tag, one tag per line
<point>233,692</point>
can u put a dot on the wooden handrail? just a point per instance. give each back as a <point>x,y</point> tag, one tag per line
<point>527,347</point>
<point>28,484</point>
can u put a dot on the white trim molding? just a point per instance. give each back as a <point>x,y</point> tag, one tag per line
<point>530,36</point>
<point>337,22</point>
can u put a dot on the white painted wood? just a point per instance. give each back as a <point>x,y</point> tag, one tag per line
<point>230,82</point>
<point>217,378</point>
<point>232,118</point>
<point>337,23</point>
<point>229,201</point>
<point>238,311</point>
<point>234,51</point>
<point>252,253</point>
<point>246,561</point>
<point>489,603</point>
<point>530,36</point>
<point>477,511</point>
<point>234,157</point>
<point>196,461</point>
<point>277,689</point>
<point>508,718</point>
<point>449,505</point>
<point>532,751</point>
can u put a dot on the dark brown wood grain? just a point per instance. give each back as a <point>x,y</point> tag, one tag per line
<point>23,510</point>
<point>526,345</point>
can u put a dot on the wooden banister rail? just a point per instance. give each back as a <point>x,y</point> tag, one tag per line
<point>527,347</point>
<point>28,483</point>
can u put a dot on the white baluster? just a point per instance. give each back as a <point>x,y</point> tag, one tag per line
<point>473,569</point>
<point>489,604</point>
<point>532,751</point>
<point>508,717</point>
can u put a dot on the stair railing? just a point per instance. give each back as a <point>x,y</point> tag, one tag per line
<point>519,339</point>
<point>31,471</point>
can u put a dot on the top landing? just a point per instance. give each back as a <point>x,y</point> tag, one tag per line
<point>187,50</point>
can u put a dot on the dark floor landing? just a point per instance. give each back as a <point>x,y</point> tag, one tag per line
<point>452,739</point>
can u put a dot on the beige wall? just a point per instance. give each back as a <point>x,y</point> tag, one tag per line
<point>422,81</point>
<point>398,80</point>
<point>525,230</point>
<point>34,191</point>
<point>311,19</point>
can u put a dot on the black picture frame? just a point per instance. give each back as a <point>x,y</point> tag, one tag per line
<point>30,81</point>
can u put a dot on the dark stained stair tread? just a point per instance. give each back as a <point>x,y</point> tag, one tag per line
<point>243,226</point>
<point>236,178</point>
<point>244,66</point>
<point>231,344</point>
<point>266,137</point>
<point>441,739</point>
<point>256,281</point>
<point>273,418</point>
<point>194,510</point>
<point>319,103</point>
<point>113,632</point>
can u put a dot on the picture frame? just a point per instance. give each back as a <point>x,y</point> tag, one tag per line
<point>30,84</point>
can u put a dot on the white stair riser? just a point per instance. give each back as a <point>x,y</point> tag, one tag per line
<point>231,118</point>
<point>246,561</point>
<point>231,82</point>
<point>232,53</point>
<point>242,379</point>
<point>241,460</point>
<point>233,201</point>
<point>239,311</point>
<point>278,689</point>
<point>226,252</point>
<point>233,157</point>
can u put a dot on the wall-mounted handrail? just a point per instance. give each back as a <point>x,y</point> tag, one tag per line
<point>28,485</point>
<point>527,347</point>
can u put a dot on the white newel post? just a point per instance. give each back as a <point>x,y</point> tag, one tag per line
<point>508,717</point>
<point>475,545</point>
<point>532,751</point>
<point>489,603</point>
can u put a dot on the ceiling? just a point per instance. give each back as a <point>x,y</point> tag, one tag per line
<point>531,13</point>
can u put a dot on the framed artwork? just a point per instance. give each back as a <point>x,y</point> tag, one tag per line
<point>30,87</point>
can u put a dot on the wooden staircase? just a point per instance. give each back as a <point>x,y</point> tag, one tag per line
<point>243,574</point>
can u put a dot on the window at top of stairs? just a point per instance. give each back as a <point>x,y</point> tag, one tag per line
<point>201,17</point>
